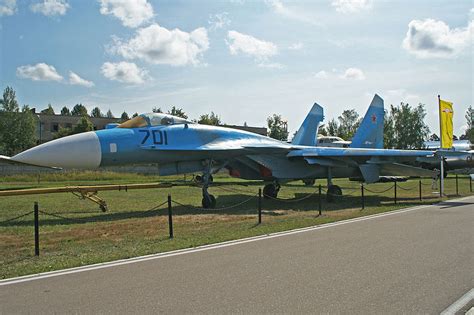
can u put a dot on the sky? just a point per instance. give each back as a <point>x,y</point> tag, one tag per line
<point>242,59</point>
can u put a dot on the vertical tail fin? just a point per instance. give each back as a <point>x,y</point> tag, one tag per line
<point>370,132</point>
<point>308,131</point>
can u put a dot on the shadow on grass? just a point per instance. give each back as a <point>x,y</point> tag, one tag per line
<point>226,203</point>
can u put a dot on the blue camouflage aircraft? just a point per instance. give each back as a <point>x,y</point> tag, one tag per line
<point>179,146</point>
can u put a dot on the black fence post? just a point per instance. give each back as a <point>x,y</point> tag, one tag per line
<point>362,195</point>
<point>170,216</point>
<point>395,192</point>
<point>419,188</point>
<point>319,199</point>
<point>260,206</point>
<point>37,250</point>
<point>470,183</point>
<point>457,190</point>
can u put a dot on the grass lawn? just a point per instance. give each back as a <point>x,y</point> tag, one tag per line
<point>75,232</point>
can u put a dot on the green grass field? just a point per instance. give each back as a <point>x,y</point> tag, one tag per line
<point>74,232</point>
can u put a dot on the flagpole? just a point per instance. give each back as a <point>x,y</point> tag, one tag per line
<point>441,193</point>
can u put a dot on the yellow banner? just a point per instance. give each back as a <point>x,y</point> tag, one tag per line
<point>446,124</point>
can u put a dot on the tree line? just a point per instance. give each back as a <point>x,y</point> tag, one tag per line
<point>404,126</point>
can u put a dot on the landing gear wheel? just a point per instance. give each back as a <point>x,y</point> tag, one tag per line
<point>270,191</point>
<point>309,182</point>
<point>198,179</point>
<point>209,202</point>
<point>333,192</point>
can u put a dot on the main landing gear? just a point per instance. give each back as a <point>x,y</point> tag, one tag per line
<point>271,190</point>
<point>334,191</point>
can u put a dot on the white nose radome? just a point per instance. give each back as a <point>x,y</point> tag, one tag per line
<point>76,151</point>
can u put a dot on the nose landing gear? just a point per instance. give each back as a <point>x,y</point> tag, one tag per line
<point>208,200</point>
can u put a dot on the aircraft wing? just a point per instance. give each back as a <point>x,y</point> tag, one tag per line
<point>372,163</point>
<point>328,152</point>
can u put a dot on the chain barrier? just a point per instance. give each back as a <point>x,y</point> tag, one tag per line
<point>233,190</point>
<point>89,220</point>
<point>379,192</point>
<point>16,218</point>
<point>64,218</point>
<point>215,209</point>
<point>407,189</point>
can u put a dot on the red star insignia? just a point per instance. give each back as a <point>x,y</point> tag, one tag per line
<point>373,118</point>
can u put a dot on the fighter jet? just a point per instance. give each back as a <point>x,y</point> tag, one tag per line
<point>179,146</point>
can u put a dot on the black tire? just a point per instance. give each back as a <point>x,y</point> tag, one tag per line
<point>309,182</point>
<point>334,191</point>
<point>209,202</point>
<point>270,191</point>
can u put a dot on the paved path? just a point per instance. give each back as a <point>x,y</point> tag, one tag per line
<point>416,261</point>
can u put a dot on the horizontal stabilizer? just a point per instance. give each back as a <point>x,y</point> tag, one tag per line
<point>396,169</point>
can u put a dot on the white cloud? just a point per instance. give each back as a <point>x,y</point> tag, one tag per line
<point>296,46</point>
<point>279,8</point>
<point>353,74</point>
<point>219,20</point>
<point>431,38</point>
<point>38,72</point>
<point>50,7</point>
<point>132,13</point>
<point>125,72</point>
<point>158,45</point>
<point>250,46</point>
<point>271,65</point>
<point>321,75</point>
<point>75,79</point>
<point>351,6</point>
<point>401,95</point>
<point>7,7</point>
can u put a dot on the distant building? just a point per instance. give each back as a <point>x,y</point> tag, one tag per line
<point>48,125</point>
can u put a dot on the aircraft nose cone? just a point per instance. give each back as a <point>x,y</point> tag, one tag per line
<point>76,151</point>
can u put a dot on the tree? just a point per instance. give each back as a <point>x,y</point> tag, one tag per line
<point>84,124</point>
<point>9,103</point>
<point>211,119</point>
<point>408,127</point>
<point>95,112</point>
<point>63,132</point>
<point>65,111</point>
<point>135,115</point>
<point>332,128</point>
<point>348,124</point>
<point>79,110</point>
<point>157,110</point>
<point>434,137</point>
<point>124,117</point>
<point>109,114</point>
<point>48,111</point>
<point>277,128</point>
<point>322,130</point>
<point>388,131</point>
<point>469,135</point>
<point>17,128</point>
<point>178,112</point>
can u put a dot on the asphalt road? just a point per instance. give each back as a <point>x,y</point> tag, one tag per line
<point>418,261</point>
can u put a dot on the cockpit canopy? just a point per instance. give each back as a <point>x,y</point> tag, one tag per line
<point>152,120</point>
